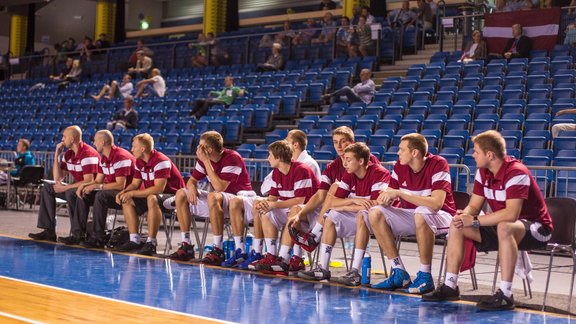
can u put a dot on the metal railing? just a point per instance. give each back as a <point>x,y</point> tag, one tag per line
<point>555,181</point>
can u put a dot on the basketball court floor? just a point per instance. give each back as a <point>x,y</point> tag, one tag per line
<point>43,282</point>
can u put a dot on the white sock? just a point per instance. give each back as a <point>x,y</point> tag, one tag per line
<point>217,241</point>
<point>238,243</point>
<point>317,231</point>
<point>358,258</point>
<point>451,280</point>
<point>257,245</point>
<point>297,250</point>
<point>506,287</point>
<point>151,240</point>
<point>271,245</point>
<point>426,268</point>
<point>186,237</point>
<point>325,254</point>
<point>284,253</point>
<point>135,238</point>
<point>396,263</point>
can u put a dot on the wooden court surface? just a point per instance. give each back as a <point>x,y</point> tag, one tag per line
<point>23,302</point>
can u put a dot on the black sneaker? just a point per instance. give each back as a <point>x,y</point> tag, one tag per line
<point>149,248</point>
<point>45,235</point>
<point>214,257</point>
<point>92,243</point>
<point>184,253</point>
<point>71,240</point>
<point>128,247</point>
<point>442,293</point>
<point>498,301</point>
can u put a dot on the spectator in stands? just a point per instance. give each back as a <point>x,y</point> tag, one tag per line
<point>65,71</point>
<point>327,5</point>
<point>69,44</point>
<point>305,35</point>
<point>115,172</point>
<point>425,15</point>
<point>143,66</point>
<point>362,92</point>
<point>126,118</point>
<point>365,11</point>
<point>86,48</point>
<point>156,179</point>
<point>139,47</point>
<point>154,86</point>
<point>218,53</point>
<point>402,17</point>
<point>224,97</point>
<point>433,5</point>
<point>226,171</point>
<point>365,42</point>
<point>81,161</point>
<point>519,45</point>
<point>346,39</point>
<point>287,33</point>
<point>519,220</point>
<point>75,72</point>
<point>476,49</point>
<point>266,41</point>
<point>116,91</point>
<point>328,29</point>
<point>23,158</point>
<point>199,60</point>
<point>72,76</point>
<point>356,13</point>
<point>275,61</point>
<point>102,42</point>
<point>563,126</point>
<point>570,31</point>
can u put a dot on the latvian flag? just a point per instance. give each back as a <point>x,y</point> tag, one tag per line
<point>540,24</point>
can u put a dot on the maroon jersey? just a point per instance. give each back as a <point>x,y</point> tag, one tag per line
<point>376,179</point>
<point>119,164</point>
<point>335,171</point>
<point>299,182</point>
<point>435,175</point>
<point>230,168</point>
<point>81,163</point>
<point>513,181</point>
<point>159,166</point>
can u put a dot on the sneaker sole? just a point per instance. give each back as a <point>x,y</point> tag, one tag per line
<point>347,284</point>
<point>486,308</point>
<point>300,275</point>
<point>272,272</point>
<point>440,300</point>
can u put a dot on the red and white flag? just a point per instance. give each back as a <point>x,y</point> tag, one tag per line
<point>541,25</point>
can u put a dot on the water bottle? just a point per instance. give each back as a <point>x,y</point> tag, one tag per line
<point>229,251</point>
<point>110,222</point>
<point>248,243</point>
<point>366,269</point>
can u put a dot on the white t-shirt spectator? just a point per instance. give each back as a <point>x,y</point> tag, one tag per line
<point>159,85</point>
<point>126,89</point>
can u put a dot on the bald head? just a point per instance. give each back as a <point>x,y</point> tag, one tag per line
<point>105,136</point>
<point>75,132</point>
<point>155,72</point>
